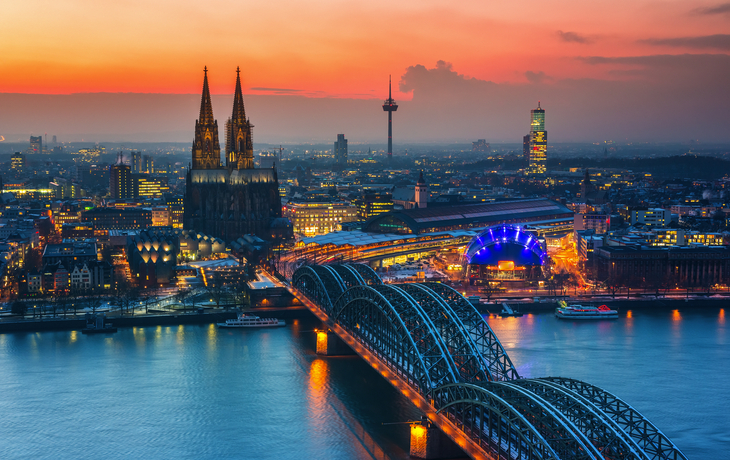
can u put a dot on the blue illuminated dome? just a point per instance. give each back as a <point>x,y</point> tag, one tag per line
<point>505,243</point>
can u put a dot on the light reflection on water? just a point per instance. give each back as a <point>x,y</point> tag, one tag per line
<point>670,365</point>
<point>202,392</point>
<point>193,392</point>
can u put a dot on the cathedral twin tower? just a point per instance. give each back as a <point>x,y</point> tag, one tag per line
<point>239,141</point>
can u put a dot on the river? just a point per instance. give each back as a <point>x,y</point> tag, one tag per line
<point>200,392</point>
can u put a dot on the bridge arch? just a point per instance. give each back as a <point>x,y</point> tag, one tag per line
<point>655,444</point>
<point>602,432</point>
<point>497,361</point>
<point>307,281</point>
<point>491,422</point>
<point>458,343</point>
<point>391,326</point>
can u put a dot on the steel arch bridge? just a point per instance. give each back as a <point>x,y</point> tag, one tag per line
<point>437,344</point>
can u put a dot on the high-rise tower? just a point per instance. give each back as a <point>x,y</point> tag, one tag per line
<point>538,142</point>
<point>206,148</point>
<point>390,106</point>
<point>340,151</point>
<point>239,141</point>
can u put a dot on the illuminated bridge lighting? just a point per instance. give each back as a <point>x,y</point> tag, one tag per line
<point>434,347</point>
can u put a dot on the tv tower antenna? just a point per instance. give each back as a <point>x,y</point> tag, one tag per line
<point>390,106</point>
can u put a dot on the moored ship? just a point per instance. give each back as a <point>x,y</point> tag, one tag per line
<point>565,311</point>
<point>245,320</point>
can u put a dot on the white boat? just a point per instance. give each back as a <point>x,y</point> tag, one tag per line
<point>565,311</point>
<point>245,320</point>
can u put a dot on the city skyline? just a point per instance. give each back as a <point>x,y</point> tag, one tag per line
<point>612,72</point>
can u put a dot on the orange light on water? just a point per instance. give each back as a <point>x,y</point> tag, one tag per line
<point>676,316</point>
<point>721,316</point>
<point>629,314</point>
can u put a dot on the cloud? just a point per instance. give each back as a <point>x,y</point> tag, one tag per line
<point>536,77</point>
<point>717,41</point>
<point>419,79</point>
<point>722,8</point>
<point>277,90</point>
<point>573,37</point>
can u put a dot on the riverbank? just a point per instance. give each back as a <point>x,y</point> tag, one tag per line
<point>143,320</point>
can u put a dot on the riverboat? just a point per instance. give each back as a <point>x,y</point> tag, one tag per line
<point>565,311</point>
<point>245,320</point>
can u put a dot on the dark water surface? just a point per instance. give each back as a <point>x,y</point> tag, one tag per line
<point>199,392</point>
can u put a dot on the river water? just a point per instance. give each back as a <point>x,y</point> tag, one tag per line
<point>200,392</point>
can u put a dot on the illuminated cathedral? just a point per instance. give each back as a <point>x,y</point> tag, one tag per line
<point>232,200</point>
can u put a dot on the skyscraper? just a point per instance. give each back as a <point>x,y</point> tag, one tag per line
<point>390,106</point>
<point>538,142</point>
<point>340,151</point>
<point>120,180</point>
<point>36,144</point>
<point>136,163</point>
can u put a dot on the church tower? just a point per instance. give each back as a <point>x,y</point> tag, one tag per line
<point>206,148</point>
<point>239,142</point>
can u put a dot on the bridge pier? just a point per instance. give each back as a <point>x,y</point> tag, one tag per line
<point>430,443</point>
<point>329,344</point>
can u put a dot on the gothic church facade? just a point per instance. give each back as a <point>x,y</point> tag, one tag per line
<point>232,200</point>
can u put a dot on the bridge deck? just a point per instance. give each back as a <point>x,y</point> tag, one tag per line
<point>469,447</point>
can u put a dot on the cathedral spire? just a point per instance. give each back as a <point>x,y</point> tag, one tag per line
<point>239,140</point>
<point>206,149</point>
<point>239,112</point>
<point>206,107</point>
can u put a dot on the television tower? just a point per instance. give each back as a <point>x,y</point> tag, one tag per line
<point>390,106</point>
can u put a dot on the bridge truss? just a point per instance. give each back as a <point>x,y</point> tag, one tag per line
<point>435,341</point>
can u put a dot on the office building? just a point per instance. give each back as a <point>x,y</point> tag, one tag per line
<point>312,218</point>
<point>36,144</point>
<point>652,217</point>
<point>146,186</point>
<point>120,181</point>
<point>136,162</point>
<point>372,204</point>
<point>340,151</point>
<point>17,162</point>
<point>538,142</point>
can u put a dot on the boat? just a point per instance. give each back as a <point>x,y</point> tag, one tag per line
<point>247,320</point>
<point>96,324</point>
<point>509,311</point>
<point>565,311</point>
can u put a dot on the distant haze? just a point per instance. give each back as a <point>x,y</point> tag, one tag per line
<point>666,98</point>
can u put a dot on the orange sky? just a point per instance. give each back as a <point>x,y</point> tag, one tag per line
<point>335,48</point>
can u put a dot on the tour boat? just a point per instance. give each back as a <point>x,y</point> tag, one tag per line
<point>245,320</point>
<point>566,311</point>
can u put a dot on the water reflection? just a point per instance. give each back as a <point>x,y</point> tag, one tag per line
<point>73,337</point>
<point>318,376</point>
<point>721,316</point>
<point>212,337</point>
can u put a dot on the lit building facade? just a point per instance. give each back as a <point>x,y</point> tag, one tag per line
<point>17,162</point>
<point>120,182</point>
<point>146,186</point>
<point>538,142</point>
<point>312,218</point>
<point>601,223</point>
<point>652,217</point>
<point>372,204</point>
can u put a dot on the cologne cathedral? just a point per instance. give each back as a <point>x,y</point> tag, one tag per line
<point>234,200</point>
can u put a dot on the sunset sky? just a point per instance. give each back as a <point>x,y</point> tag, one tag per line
<point>485,63</point>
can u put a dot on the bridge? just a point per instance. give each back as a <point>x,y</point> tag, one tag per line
<point>430,343</point>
